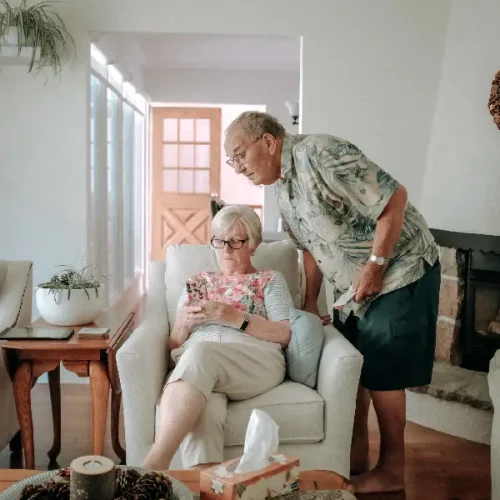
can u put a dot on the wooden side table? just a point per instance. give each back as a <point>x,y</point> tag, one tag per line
<point>93,358</point>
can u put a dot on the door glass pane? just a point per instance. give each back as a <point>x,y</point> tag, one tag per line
<point>187,130</point>
<point>170,152</point>
<point>128,186</point>
<point>202,155</point>
<point>202,181</point>
<point>186,155</point>
<point>186,181</point>
<point>170,129</point>
<point>170,181</point>
<point>202,130</point>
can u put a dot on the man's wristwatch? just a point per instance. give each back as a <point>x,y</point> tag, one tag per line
<point>380,261</point>
<point>246,320</point>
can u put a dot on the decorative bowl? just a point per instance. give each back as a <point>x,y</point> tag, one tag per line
<point>180,489</point>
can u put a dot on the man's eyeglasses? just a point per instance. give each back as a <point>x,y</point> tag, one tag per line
<point>234,244</point>
<point>239,158</point>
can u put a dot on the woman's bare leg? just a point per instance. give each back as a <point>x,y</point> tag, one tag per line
<point>180,407</point>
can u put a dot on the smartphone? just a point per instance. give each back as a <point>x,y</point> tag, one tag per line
<point>197,290</point>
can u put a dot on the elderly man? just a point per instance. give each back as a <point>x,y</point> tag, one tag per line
<point>357,229</point>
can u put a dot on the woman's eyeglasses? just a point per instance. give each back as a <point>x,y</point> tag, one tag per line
<point>234,244</point>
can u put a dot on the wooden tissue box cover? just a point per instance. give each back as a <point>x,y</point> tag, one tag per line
<point>221,483</point>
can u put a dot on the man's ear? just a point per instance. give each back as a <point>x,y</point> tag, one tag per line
<point>270,142</point>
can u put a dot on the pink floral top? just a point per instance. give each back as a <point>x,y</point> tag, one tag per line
<point>264,292</point>
<point>244,292</point>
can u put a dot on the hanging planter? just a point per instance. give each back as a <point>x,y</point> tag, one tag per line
<point>36,29</point>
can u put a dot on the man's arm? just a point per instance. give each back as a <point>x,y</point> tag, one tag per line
<point>387,232</point>
<point>314,278</point>
<point>390,223</point>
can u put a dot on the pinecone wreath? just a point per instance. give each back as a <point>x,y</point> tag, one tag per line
<point>494,101</point>
<point>58,490</point>
<point>34,492</point>
<point>125,482</point>
<point>153,486</point>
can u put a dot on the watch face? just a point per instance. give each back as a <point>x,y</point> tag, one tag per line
<point>378,260</point>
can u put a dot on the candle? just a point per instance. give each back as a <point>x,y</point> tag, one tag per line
<point>92,477</point>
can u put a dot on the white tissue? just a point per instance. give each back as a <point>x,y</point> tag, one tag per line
<point>261,442</point>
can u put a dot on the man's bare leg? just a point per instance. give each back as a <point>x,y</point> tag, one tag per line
<point>389,473</point>
<point>359,447</point>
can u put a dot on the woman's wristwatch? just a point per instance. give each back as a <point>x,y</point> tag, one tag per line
<point>246,320</point>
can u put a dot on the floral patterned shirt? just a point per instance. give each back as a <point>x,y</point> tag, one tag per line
<point>330,196</point>
<point>264,292</point>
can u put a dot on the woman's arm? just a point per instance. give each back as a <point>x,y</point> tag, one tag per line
<point>277,300</point>
<point>182,329</point>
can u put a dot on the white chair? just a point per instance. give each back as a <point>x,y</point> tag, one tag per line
<point>494,387</point>
<point>315,425</point>
<point>15,309</point>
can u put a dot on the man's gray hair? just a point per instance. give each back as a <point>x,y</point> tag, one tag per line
<point>254,124</point>
<point>230,215</point>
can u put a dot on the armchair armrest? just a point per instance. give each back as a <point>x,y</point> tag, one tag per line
<point>338,379</point>
<point>494,389</point>
<point>15,294</point>
<point>142,364</point>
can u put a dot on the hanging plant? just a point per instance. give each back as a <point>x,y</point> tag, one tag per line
<point>35,26</point>
<point>494,101</point>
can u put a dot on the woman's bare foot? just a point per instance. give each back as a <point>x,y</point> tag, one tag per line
<point>379,480</point>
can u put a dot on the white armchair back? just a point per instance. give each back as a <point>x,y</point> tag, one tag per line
<point>183,261</point>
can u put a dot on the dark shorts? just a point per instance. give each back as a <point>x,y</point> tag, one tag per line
<point>397,335</point>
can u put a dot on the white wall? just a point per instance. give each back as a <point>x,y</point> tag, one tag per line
<point>370,74</point>
<point>461,190</point>
<point>269,88</point>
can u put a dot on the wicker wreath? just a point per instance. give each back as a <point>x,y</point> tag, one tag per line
<point>494,102</point>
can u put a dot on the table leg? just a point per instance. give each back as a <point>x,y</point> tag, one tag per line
<point>99,383</point>
<point>22,395</point>
<point>116,401</point>
<point>55,399</point>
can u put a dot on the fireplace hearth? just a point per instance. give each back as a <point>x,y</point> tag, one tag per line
<point>469,311</point>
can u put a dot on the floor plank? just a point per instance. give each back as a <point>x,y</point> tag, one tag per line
<point>438,467</point>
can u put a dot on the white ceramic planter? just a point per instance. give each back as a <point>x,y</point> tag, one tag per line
<point>79,309</point>
<point>11,37</point>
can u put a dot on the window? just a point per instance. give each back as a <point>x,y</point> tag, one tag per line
<point>116,222</point>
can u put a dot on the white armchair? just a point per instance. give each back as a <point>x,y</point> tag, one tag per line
<point>314,425</point>
<point>15,309</point>
<point>494,387</point>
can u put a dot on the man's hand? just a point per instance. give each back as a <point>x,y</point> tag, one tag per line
<point>313,309</point>
<point>369,282</point>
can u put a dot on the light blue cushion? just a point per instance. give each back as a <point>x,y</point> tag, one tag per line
<point>304,351</point>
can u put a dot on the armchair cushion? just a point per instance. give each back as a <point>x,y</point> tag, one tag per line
<point>298,410</point>
<point>183,261</point>
<point>306,344</point>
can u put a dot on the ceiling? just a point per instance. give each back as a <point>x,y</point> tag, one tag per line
<point>220,52</point>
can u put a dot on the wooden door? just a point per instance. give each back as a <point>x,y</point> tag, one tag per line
<point>186,174</point>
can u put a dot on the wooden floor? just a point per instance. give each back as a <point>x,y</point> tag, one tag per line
<point>438,467</point>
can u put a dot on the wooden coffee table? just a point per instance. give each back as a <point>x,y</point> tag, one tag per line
<point>309,480</point>
<point>96,359</point>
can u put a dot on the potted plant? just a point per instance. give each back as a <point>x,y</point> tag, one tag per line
<point>71,297</point>
<point>36,26</point>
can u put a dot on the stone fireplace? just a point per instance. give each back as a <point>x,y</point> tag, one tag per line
<point>468,332</point>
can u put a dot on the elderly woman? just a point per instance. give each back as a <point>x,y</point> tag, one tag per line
<point>227,343</point>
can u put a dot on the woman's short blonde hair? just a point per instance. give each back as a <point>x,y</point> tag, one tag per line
<point>230,215</point>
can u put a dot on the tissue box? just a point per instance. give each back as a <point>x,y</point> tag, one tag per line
<point>221,483</point>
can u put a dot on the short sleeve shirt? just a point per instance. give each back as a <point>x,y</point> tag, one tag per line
<point>330,196</point>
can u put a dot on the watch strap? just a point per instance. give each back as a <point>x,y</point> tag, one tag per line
<point>246,321</point>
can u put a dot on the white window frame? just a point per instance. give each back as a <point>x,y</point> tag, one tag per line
<point>97,239</point>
